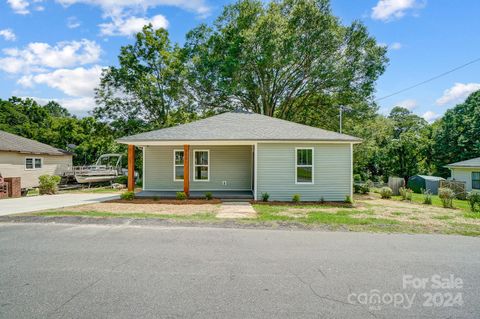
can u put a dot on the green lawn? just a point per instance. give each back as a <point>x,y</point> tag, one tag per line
<point>371,215</point>
<point>315,215</point>
<point>457,203</point>
<point>374,216</point>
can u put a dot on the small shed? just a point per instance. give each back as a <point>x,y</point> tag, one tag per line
<point>418,182</point>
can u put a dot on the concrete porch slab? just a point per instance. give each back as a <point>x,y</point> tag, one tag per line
<point>236,210</point>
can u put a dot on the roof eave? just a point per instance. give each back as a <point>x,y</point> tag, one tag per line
<point>38,153</point>
<point>462,166</point>
<point>226,141</point>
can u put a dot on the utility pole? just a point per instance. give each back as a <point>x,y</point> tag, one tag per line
<point>343,108</point>
<point>341,111</point>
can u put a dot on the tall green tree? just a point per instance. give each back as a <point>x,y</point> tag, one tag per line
<point>291,59</point>
<point>53,125</point>
<point>457,135</point>
<point>145,88</point>
<point>407,149</point>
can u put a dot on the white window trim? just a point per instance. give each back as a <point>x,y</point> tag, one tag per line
<point>33,162</point>
<point>312,166</point>
<point>195,166</point>
<point>175,179</point>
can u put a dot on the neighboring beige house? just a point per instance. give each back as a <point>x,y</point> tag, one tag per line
<point>28,159</point>
<point>467,171</point>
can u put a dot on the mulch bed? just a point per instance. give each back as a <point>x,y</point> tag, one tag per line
<point>280,203</point>
<point>166,201</point>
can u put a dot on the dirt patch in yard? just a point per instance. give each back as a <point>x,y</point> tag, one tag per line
<point>128,208</point>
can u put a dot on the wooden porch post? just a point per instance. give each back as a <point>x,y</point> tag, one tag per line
<point>186,169</point>
<point>131,168</point>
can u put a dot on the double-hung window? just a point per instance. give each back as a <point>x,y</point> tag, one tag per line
<point>476,180</point>
<point>178,165</point>
<point>304,165</point>
<point>33,163</point>
<point>201,167</point>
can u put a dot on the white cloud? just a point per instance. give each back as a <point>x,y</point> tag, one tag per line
<point>8,34</point>
<point>73,22</point>
<point>409,104</point>
<point>457,93</point>
<point>430,116</point>
<point>120,7</point>
<point>115,7</point>
<point>19,6</point>
<point>78,106</point>
<point>396,46</point>
<point>79,82</point>
<point>38,56</point>
<point>387,10</point>
<point>132,25</point>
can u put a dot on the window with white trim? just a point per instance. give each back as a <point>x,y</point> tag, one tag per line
<point>178,164</point>
<point>304,165</point>
<point>201,165</point>
<point>33,163</point>
<point>476,180</point>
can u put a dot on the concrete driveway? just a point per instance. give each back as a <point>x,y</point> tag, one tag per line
<point>37,203</point>
<point>92,271</point>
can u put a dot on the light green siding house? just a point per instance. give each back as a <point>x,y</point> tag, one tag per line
<point>246,154</point>
<point>468,172</point>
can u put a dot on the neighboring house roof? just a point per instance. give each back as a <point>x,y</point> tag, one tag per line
<point>240,126</point>
<point>474,162</point>
<point>14,143</point>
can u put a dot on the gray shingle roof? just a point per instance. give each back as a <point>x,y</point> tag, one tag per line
<point>14,143</point>
<point>242,126</point>
<point>474,162</point>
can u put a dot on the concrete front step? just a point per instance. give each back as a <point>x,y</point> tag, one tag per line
<point>236,210</point>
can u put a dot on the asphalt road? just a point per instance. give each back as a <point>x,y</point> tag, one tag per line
<point>78,271</point>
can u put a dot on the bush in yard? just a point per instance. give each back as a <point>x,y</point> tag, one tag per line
<point>208,195</point>
<point>357,178</point>
<point>386,192</point>
<point>474,201</point>
<point>409,194</point>
<point>427,196</point>
<point>362,188</point>
<point>365,189</point>
<point>265,197</point>
<point>181,196</point>
<point>348,199</point>
<point>48,184</point>
<point>122,180</point>
<point>356,188</point>
<point>296,198</point>
<point>446,195</point>
<point>127,195</point>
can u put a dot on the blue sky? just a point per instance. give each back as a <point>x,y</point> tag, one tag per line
<point>56,49</point>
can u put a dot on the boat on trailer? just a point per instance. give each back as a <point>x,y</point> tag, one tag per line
<point>107,168</point>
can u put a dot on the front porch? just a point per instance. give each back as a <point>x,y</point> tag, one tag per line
<point>223,195</point>
<point>226,171</point>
